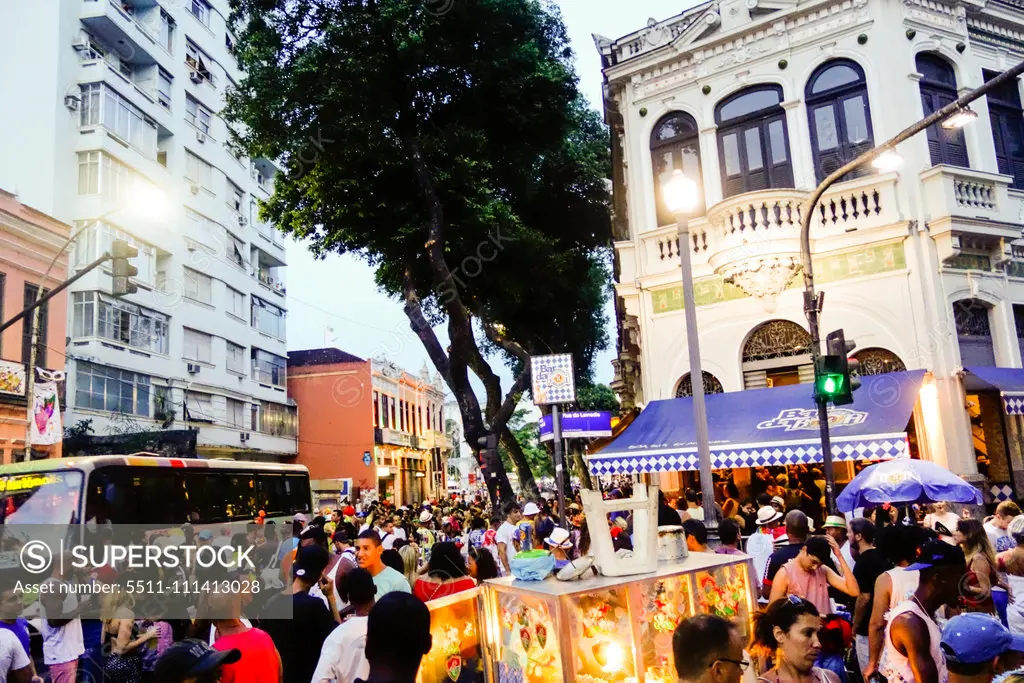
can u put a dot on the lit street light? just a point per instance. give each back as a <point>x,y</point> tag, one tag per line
<point>960,119</point>
<point>889,160</point>
<point>682,197</point>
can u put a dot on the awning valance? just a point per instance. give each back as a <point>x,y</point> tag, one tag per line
<point>777,426</point>
<point>1009,382</point>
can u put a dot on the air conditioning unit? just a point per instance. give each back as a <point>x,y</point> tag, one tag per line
<point>200,136</point>
<point>243,221</point>
<point>194,188</point>
<point>195,77</point>
<point>243,437</point>
<point>194,368</point>
<point>80,43</point>
<point>72,102</point>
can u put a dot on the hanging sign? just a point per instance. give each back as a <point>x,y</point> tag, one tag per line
<point>552,379</point>
<point>578,425</point>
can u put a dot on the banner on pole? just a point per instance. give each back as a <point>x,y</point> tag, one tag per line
<point>46,429</point>
<point>12,378</point>
<point>578,425</point>
<point>552,379</point>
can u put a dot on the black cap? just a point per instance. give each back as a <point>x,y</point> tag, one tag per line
<point>341,536</point>
<point>939,554</point>
<point>310,562</point>
<point>190,658</point>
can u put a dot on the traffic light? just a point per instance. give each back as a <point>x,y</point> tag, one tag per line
<point>839,350</point>
<point>487,445</point>
<point>829,380</point>
<point>120,252</point>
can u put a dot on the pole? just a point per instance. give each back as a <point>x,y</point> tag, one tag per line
<point>700,410</point>
<point>811,307</point>
<point>556,428</point>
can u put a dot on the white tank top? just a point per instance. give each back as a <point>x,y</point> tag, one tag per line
<point>894,666</point>
<point>904,584</point>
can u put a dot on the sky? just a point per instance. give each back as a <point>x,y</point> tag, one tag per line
<point>334,302</point>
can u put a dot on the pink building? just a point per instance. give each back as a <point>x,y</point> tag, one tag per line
<point>29,240</point>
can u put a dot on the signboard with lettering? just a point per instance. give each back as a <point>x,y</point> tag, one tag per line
<point>579,425</point>
<point>552,379</point>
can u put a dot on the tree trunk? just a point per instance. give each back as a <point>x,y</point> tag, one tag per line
<point>581,463</point>
<point>527,483</point>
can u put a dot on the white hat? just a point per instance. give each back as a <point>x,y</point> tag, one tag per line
<point>767,515</point>
<point>425,517</point>
<point>530,509</point>
<point>299,517</point>
<point>559,538</point>
<point>779,500</point>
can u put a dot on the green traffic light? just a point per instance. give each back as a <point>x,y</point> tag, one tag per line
<point>831,384</point>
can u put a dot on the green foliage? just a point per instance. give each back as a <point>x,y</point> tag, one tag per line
<point>79,429</point>
<point>527,434</point>
<point>597,397</point>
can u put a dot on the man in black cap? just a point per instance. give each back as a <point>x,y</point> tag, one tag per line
<point>300,639</point>
<point>911,648</point>
<point>192,660</point>
<point>397,637</point>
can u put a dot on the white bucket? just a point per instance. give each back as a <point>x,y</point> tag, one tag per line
<point>671,543</point>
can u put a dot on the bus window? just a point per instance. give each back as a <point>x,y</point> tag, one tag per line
<point>127,495</point>
<point>204,499</point>
<point>41,498</point>
<point>241,496</point>
<point>272,498</point>
<point>297,488</point>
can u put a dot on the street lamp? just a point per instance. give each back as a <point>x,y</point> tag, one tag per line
<point>960,118</point>
<point>142,198</point>
<point>889,160</point>
<point>682,196</point>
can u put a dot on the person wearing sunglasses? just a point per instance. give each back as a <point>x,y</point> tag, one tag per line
<point>787,633</point>
<point>708,649</point>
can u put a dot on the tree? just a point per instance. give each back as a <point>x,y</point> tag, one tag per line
<point>527,436</point>
<point>597,397</point>
<point>455,154</point>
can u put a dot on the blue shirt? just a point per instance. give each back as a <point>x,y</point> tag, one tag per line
<point>20,629</point>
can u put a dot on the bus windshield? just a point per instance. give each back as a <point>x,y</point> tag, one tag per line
<point>40,497</point>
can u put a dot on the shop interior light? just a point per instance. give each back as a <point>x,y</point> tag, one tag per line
<point>889,160</point>
<point>960,118</point>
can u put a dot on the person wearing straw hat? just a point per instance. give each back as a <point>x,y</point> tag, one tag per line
<point>835,526</point>
<point>560,543</point>
<point>760,545</point>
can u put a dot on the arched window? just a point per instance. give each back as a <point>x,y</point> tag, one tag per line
<point>777,353</point>
<point>674,145</point>
<point>973,333</point>
<point>938,88</point>
<point>876,361</point>
<point>711,385</point>
<point>840,119</point>
<point>1007,119</point>
<point>753,141</point>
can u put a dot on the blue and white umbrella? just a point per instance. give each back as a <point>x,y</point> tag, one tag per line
<point>903,481</point>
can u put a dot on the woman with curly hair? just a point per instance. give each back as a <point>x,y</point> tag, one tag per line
<point>786,633</point>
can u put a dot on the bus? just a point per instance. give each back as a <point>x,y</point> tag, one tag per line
<point>146,489</point>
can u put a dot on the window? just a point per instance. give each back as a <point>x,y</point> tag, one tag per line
<point>198,346</point>
<point>100,173</point>
<point>236,198</point>
<point>753,141</point>
<point>938,88</point>
<point>198,63</point>
<point>839,116</point>
<point>1007,119</point>
<point>198,407</point>
<point>198,172</point>
<point>99,387</point>
<point>236,413</point>
<point>163,88</point>
<point>163,405</point>
<point>167,28</point>
<point>200,9</point>
<point>98,315</point>
<point>278,419</point>
<point>268,368</point>
<point>198,286</point>
<point>267,318</point>
<point>103,106</point>
<point>31,294</point>
<point>94,240</point>
<point>391,400</point>
<point>197,115</point>
<point>974,333</point>
<point>235,358</point>
<point>236,303</point>
<point>376,409</point>
<point>674,144</point>
<point>229,43</point>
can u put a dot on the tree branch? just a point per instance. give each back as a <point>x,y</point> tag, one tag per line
<point>508,406</point>
<point>527,482</point>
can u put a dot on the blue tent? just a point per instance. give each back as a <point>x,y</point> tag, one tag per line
<point>777,426</point>
<point>1009,382</point>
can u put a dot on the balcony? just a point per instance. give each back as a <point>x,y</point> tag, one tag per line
<point>392,437</point>
<point>117,24</point>
<point>753,239</point>
<point>268,270</point>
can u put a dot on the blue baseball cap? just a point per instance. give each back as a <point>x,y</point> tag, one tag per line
<point>976,638</point>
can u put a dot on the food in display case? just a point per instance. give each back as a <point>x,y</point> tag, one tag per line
<point>663,604</point>
<point>601,633</point>
<point>526,653</point>
<point>456,655</point>
<point>725,591</point>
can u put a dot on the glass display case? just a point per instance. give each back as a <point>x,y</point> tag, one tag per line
<point>606,629</point>
<point>456,655</point>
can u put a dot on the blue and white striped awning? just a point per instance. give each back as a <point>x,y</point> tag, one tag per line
<point>1009,382</point>
<point>762,427</point>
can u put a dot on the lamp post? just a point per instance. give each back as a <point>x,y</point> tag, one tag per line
<point>884,156</point>
<point>682,196</point>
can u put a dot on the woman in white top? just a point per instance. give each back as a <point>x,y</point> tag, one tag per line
<point>899,544</point>
<point>942,515</point>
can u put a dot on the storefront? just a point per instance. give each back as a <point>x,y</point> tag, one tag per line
<point>995,403</point>
<point>773,427</point>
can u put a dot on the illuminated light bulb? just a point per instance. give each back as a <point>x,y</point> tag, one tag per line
<point>888,160</point>
<point>614,657</point>
<point>960,119</point>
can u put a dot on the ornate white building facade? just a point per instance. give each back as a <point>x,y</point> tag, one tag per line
<point>760,100</point>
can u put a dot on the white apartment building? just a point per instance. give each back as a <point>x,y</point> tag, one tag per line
<point>112,100</point>
<point>759,100</point>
